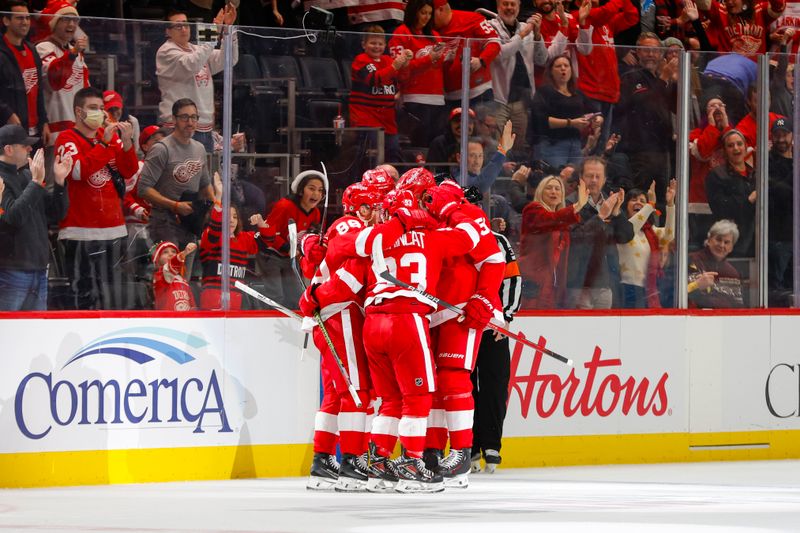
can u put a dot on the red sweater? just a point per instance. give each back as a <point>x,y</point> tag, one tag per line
<point>543,253</point>
<point>744,35</point>
<point>373,92</point>
<point>276,236</point>
<point>172,292</point>
<point>422,81</point>
<point>95,208</point>
<point>469,25</point>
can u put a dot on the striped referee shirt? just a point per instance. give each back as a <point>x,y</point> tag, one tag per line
<point>511,288</point>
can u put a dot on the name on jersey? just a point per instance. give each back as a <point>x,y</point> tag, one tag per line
<point>234,271</point>
<point>412,238</point>
<point>386,89</point>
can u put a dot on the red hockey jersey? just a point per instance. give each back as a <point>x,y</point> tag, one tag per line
<point>373,92</point>
<point>172,292</point>
<point>748,35</point>
<point>276,235</point>
<point>342,226</point>
<point>422,82</point>
<point>469,25</point>
<point>95,208</point>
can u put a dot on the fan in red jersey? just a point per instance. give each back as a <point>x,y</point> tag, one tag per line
<point>171,290</point>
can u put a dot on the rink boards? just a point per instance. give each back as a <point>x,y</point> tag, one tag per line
<point>136,399</point>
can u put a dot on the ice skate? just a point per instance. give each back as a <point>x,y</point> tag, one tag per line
<point>352,473</point>
<point>381,473</point>
<point>475,461</point>
<point>415,477</point>
<point>492,458</point>
<point>432,458</point>
<point>324,472</point>
<point>455,468</point>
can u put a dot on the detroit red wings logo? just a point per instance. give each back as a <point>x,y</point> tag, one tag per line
<point>31,79</point>
<point>99,178</point>
<point>187,170</point>
<point>203,78</point>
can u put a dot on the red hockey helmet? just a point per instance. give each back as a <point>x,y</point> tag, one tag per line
<point>378,178</point>
<point>417,180</point>
<point>358,194</point>
<point>395,199</point>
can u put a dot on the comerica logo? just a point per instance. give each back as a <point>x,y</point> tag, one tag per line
<point>135,401</point>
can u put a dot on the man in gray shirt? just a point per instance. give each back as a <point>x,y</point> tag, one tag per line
<point>174,174</point>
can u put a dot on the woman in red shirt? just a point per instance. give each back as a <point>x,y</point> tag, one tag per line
<point>544,243</point>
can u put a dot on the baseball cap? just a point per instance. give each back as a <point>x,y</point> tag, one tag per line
<point>15,134</point>
<point>112,99</point>
<point>783,123</point>
<point>457,113</point>
<point>149,131</point>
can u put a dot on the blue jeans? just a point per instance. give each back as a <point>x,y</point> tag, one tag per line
<point>558,153</point>
<point>23,290</point>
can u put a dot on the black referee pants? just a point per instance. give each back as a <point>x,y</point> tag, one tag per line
<point>490,390</point>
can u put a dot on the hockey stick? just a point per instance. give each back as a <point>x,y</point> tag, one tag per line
<point>260,297</point>
<point>329,342</point>
<point>324,209</point>
<point>292,231</point>
<point>379,266</point>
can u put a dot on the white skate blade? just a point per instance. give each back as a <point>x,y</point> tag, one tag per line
<point>347,484</point>
<point>378,485</point>
<point>407,486</point>
<point>475,467</point>
<point>320,483</point>
<point>490,468</point>
<point>460,481</point>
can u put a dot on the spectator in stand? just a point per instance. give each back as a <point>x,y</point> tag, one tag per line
<point>741,26</point>
<point>483,49</point>
<point>421,84</point>
<point>731,191</point>
<point>781,80</point>
<point>385,13</point>
<point>137,211</point>
<point>64,70</point>
<point>593,264</point>
<point>785,28</point>
<point>484,177</point>
<point>184,70</point>
<point>243,246</point>
<point>640,259</point>
<point>27,209</point>
<point>513,81</point>
<point>174,175</point>
<point>115,111</point>
<point>308,189</point>
<point>21,82</point>
<point>374,76</point>
<point>599,76</point>
<point>561,115</point>
<point>781,214</point>
<point>171,290</point>
<point>706,148</point>
<point>93,232</point>
<point>748,126</point>
<point>544,243</point>
<point>648,95</point>
<point>559,28</point>
<point>444,147</point>
<point>519,189</point>
<point>713,282</point>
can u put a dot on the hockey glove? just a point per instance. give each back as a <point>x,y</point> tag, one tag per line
<point>415,219</point>
<point>308,302</point>
<point>442,200</point>
<point>312,249</point>
<point>477,312</point>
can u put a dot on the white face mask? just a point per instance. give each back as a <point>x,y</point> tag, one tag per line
<point>94,118</point>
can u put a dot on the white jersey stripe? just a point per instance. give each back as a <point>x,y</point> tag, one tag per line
<point>361,242</point>
<point>349,280</point>
<point>413,426</point>
<point>426,351</point>
<point>350,349</point>
<point>472,232</point>
<point>326,422</point>
<point>460,420</point>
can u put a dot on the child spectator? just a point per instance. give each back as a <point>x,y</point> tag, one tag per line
<point>374,88</point>
<point>171,290</point>
<point>243,245</point>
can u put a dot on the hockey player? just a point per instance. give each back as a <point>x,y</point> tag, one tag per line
<point>170,289</point>
<point>456,341</point>
<point>344,319</point>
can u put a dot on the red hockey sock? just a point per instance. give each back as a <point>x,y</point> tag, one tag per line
<point>436,436</point>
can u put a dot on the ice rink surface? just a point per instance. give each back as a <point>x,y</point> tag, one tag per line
<point>705,497</point>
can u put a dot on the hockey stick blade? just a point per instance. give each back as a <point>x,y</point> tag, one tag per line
<point>380,269</point>
<point>260,297</point>
<point>292,232</point>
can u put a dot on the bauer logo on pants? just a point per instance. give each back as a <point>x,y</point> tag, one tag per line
<point>140,376</point>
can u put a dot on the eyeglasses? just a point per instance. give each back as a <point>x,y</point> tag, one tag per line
<point>178,26</point>
<point>186,118</point>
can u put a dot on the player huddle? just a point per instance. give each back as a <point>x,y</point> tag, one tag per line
<point>397,349</point>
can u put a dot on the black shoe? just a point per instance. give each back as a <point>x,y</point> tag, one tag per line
<point>324,472</point>
<point>455,468</point>
<point>492,458</point>
<point>382,475</point>
<point>352,473</point>
<point>432,458</point>
<point>415,477</point>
